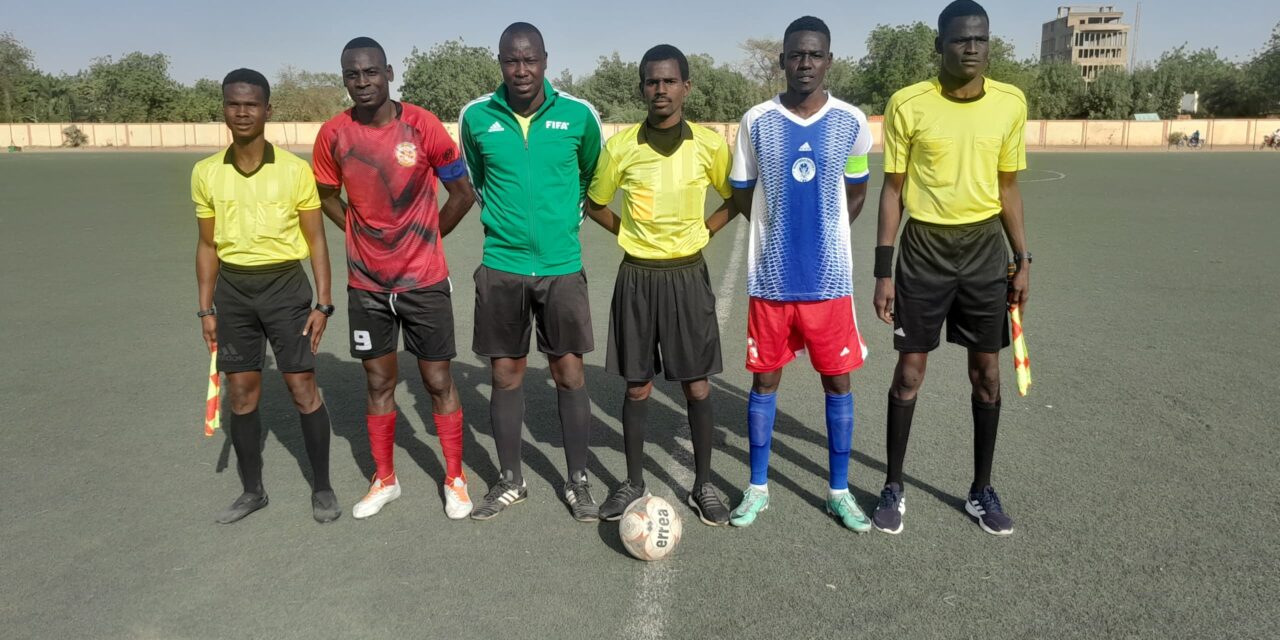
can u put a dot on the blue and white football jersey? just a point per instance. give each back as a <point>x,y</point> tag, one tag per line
<point>799,215</point>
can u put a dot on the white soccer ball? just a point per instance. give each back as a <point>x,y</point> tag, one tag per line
<point>650,528</point>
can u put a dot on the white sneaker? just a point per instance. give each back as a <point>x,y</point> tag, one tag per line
<point>379,495</point>
<point>457,504</point>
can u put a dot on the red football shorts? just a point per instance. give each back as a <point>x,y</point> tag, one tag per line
<point>827,329</point>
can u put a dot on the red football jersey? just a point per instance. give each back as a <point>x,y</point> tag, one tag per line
<point>389,172</point>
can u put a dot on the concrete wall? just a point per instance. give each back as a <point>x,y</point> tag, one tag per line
<point>1061,134</point>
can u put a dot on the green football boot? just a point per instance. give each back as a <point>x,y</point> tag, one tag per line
<point>753,502</point>
<point>844,507</point>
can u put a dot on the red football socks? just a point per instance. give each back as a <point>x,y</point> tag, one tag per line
<point>450,429</point>
<point>382,437</point>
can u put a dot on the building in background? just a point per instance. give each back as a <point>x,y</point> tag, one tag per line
<point>1090,37</point>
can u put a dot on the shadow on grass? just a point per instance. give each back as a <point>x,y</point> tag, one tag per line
<point>343,384</point>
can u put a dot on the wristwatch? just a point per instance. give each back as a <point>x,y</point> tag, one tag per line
<point>326,309</point>
<point>211,311</point>
<point>1019,257</point>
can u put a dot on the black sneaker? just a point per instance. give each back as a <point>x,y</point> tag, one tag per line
<point>503,494</point>
<point>246,504</point>
<point>711,509</point>
<point>985,506</point>
<point>888,514</point>
<point>577,494</point>
<point>324,506</point>
<point>618,502</point>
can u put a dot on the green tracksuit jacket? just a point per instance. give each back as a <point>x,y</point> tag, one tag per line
<point>531,188</point>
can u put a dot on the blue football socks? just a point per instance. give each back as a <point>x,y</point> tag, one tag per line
<point>761,409</point>
<point>839,439</point>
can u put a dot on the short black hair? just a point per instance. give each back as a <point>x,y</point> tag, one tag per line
<point>960,9</point>
<point>365,42</point>
<point>664,52</point>
<point>248,76</point>
<point>807,23</point>
<point>521,29</point>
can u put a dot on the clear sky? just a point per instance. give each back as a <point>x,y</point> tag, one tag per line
<point>206,39</point>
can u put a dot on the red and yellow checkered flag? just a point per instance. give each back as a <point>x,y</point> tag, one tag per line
<point>212,403</point>
<point>1021,364</point>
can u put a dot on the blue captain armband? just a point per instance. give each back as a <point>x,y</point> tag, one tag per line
<point>452,171</point>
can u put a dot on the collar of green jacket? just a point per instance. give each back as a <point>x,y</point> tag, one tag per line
<point>500,97</point>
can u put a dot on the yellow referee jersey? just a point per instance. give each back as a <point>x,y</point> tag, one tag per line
<point>663,197</point>
<point>255,214</point>
<point>953,151</point>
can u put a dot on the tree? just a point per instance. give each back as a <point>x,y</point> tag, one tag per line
<point>564,82</point>
<point>135,88</point>
<point>897,56</point>
<point>1157,91</point>
<point>720,94</point>
<point>842,81</point>
<point>308,96</point>
<point>614,89</point>
<point>1263,73</point>
<point>48,98</point>
<point>447,77</point>
<point>1109,96</point>
<point>762,67</point>
<point>201,102</point>
<point>1191,71</point>
<point>15,70</point>
<point>1056,93</point>
<point>1003,66</point>
<point>1235,95</point>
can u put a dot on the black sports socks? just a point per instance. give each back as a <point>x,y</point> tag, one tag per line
<point>246,438</point>
<point>315,436</point>
<point>635,415</point>
<point>506,413</point>
<point>702,424</point>
<point>575,426</point>
<point>897,432</point>
<point>986,421</point>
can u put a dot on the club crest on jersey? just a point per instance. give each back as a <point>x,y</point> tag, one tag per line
<point>407,154</point>
<point>803,170</point>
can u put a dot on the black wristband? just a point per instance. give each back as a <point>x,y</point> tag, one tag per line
<point>884,262</point>
<point>326,309</point>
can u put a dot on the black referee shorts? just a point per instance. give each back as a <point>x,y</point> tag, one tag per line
<point>663,320</point>
<point>272,302</point>
<point>956,274</point>
<point>508,303</point>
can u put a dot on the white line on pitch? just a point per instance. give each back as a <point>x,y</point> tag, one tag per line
<point>648,619</point>
<point>1057,175</point>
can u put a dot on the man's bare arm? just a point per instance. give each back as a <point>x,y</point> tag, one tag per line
<point>312,226</point>
<point>742,200</point>
<point>604,216</point>
<point>206,276</point>
<point>721,217</point>
<point>461,198</point>
<point>1011,219</point>
<point>333,206</point>
<point>855,196</point>
<point>889,220</point>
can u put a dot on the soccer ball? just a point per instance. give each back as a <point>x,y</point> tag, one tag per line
<point>650,528</point>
